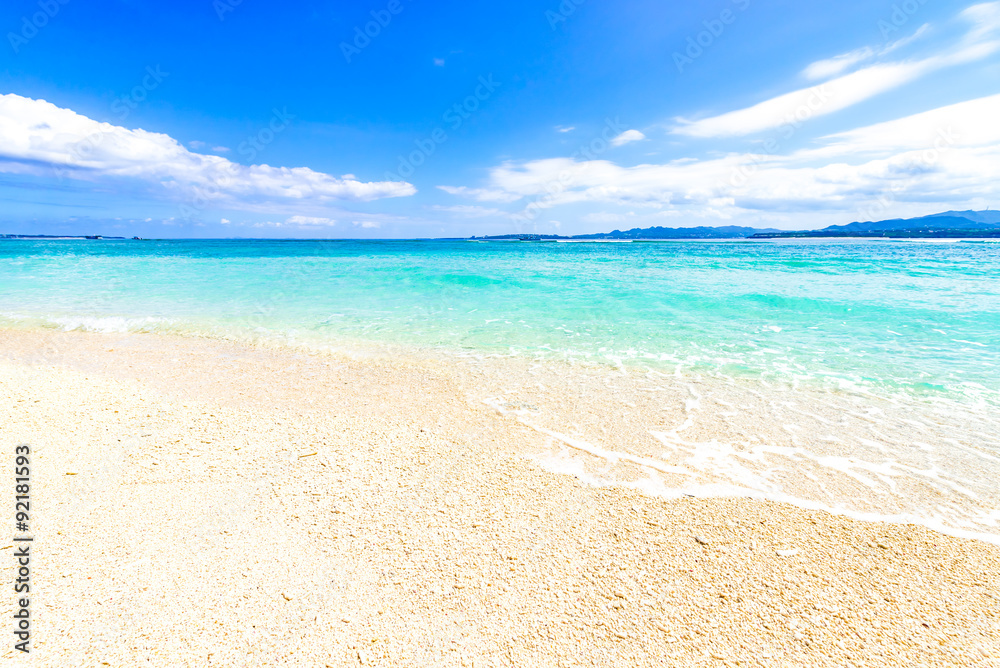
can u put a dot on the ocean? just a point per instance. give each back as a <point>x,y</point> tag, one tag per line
<point>859,376</point>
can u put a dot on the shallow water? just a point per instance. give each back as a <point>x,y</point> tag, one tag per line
<point>861,376</point>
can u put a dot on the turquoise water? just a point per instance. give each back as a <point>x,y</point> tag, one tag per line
<point>897,316</point>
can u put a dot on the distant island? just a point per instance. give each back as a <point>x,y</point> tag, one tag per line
<point>649,233</point>
<point>947,225</point>
<point>97,237</point>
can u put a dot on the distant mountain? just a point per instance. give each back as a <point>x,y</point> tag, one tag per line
<point>975,216</point>
<point>948,224</point>
<point>937,221</point>
<point>727,232</point>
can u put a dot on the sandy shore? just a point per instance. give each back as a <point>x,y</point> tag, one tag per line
<point>203,503</point>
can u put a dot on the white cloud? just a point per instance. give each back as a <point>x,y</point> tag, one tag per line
<point>946,155</point>
<point>824,69</point>
<point>985,18</point>
<point>225,221</point>
<point>37,137</point>
<point>367,224</point>
<point>850,89</point>
<point>560,128</point>
<point>627,137</point>
<point>297,221</point>
<point>806,103</point>
<point>900,43</point>
<point>439,62</point>
<point>970,123</point>
<point>310,221</point>
<point>220,149</point>
<point>195,144</point>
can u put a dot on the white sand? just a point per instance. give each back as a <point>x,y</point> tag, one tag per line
<point>239,507</point>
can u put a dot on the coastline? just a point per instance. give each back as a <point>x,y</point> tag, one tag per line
<point>289,508</point>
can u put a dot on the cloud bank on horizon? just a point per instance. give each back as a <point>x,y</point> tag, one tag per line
<point>845,135</point>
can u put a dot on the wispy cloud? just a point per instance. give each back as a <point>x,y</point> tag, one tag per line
<point>627,137</point>
<point>480,194</point>
<point>850,89</point>
<point>37,137</point>
<point>971,124</point>
<point>302,222</point>
<point>310,221</point>
<point>849,167</point>
<point>824,69</point>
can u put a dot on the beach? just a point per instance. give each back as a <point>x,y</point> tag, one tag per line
<point>501,335</point>
<point>204,502</point>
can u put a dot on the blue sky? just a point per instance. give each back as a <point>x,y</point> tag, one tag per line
<point>250,119</point>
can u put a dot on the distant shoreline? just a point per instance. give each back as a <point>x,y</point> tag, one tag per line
<point>59,237</point>
<point>946,225</point>
<point>885,234</point>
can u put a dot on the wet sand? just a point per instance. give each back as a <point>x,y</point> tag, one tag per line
<point>199,502</point>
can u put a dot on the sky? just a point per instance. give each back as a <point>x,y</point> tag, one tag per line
<point>411,118</point>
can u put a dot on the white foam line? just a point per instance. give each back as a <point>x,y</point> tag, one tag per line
<point>610,456</point>
<point>844,465</point>
<point>900,518</point>
<point>656,488</point>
